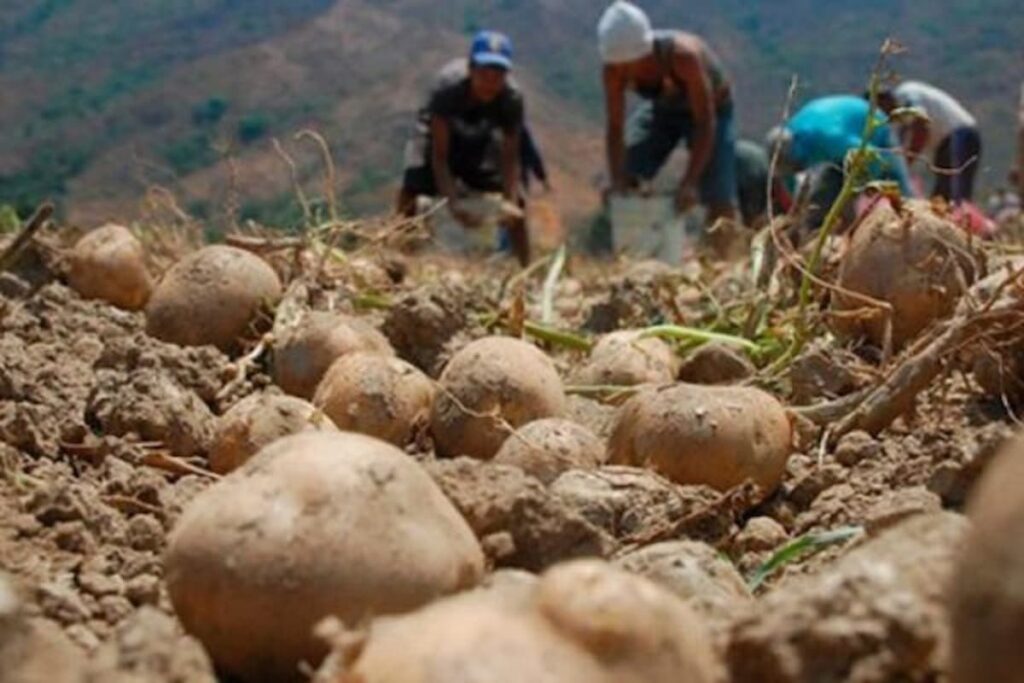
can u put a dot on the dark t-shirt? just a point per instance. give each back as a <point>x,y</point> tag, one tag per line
<point>475,127</point>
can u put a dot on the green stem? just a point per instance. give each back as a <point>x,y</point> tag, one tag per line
<point>372,301</point>
<point>681,333</point>
<point>855,171</point>
<point>558,337</point>
<point>550,284</point>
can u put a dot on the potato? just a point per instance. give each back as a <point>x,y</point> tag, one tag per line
<point>256,422</point>
<point>716,364</point>
<point>641,631</point>
<point>307,350</point>
<point>987,602</point>
<point>109,264</point>
<point>491,383</point>
<point>546,448</point>
<point>318,524</point>
<point>917,261</point>
<point>696,573</point>
<point>381,396</point>
<point>692,434</point>
<point>626,358</point>
<point>211,297</point>
<point>582,622</point>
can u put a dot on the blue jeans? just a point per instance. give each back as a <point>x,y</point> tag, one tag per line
<point>656,128</point>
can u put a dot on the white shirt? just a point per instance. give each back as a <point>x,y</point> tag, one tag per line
<point>945,113</point>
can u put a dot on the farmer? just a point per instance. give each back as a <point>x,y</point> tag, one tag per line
<point>946,135</point>
<point>686,96</point>
<point>817,140</point>
<point>469,138</point>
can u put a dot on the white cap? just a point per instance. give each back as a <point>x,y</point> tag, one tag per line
<point>624,33</point>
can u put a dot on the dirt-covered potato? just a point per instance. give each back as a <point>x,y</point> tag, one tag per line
<point>917,261</point>
<point>109,264</point>
<point>716,364</point>
<point>317,524</point>
<point>489,385</point>
<point>582,622</point>
<point>256,422</point>
<point>546,448</point>
<point>211,297</point>
<point>381,396</point>
<point>988,585</point>
<point>695,572</point>
<point>306,350</point>
<point>626,358</point>
<point>692,434</point>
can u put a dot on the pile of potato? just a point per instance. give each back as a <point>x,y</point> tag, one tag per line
<point>322,513</point>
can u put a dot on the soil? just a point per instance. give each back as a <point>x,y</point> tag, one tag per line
<point>105,434</point>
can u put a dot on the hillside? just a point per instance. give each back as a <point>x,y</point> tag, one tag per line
<point>104,98</point>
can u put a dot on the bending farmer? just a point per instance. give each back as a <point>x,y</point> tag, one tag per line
<point>817,140</point>
<point>947,135</point>
<point>687,96</point>
<point>469,134</point>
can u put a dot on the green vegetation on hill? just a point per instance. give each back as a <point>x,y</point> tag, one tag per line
<point>155,80</point>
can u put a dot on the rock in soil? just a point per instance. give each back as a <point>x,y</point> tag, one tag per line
<point>878,615</point>
<point>520,523</point>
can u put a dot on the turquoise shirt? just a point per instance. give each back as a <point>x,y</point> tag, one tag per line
<point>828,128</point>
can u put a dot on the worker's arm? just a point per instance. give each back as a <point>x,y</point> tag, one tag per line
<point>691,73</point>
<point>440,133</point>
<point>615,133</point>
<point>510,153</point>
<point>915,138</point>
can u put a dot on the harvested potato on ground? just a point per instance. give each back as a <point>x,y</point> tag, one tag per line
<point>584,622</point>
<point>307,350</point>
<point>317,524</point>
<point>640,630</point>
<point>381,396</point>
<point>211,297</point>
<point>627,358</point>
<point>696,573</point>
<point>546,448</point>
<point>917,261</point>
<point>109,264</point>
<point>692,434</point>
<point>255,423</point>
<point>988,585</point>
<point>716,364</point>
<point>489,385</point>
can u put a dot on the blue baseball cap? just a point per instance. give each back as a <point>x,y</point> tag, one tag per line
<point>491,48</point>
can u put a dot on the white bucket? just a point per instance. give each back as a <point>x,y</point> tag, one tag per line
<point>649,228</point>
<point>452,236</point>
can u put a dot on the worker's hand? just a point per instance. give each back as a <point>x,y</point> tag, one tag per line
<point>687,197</point>
<point>468,219</point>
